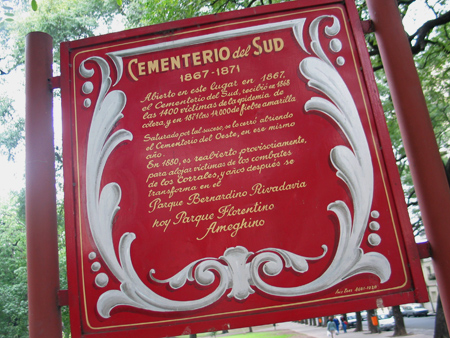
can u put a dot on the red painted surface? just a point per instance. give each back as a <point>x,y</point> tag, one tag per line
<point>42,237</point>
<point>239,149</point>
<point>425,161</point>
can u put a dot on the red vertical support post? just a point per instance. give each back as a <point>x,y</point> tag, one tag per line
<point>417,133</point>
<point>41,223</point>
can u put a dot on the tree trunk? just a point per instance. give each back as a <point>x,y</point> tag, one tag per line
<point>440,327</point>
<point>399,328</point>
<point>372,328</point>
<point>359,326</point>
<point>250,329</point>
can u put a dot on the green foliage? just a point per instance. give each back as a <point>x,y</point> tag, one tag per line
<point>34,4</point>
<point>11,129</point>
<point>13,277</point>
<point>434,70</point>
<point>63,20</point>
<point>144,12</point>
<point>13,269</point>
<point>62,264</point>
<point>431,46</point>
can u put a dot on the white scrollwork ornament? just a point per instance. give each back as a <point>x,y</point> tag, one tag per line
<point>233,269</point>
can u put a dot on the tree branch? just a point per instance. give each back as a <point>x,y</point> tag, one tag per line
<point>420,36</point>
<point>418,40</point>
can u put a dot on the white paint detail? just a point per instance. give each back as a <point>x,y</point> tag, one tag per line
<point>101,280</point>
<point>374,239</point>
<point>88,87</point>
<point>335,45</point>
<point>375,226</point>
<point>234,270</point>
<point>95,266</point>
<point>340,61</point>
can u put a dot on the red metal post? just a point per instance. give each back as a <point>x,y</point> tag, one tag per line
<point>420,144</point>
<point>42,241</point>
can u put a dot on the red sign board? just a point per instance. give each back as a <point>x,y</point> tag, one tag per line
<point>228,171</point>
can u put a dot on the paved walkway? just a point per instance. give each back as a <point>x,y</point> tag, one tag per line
<point>305,331</point>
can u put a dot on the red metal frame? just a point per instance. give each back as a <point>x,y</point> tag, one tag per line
<point>394,177</point>
<point>41,213</point>
<point>296,311</point>
<point>42,237</point>
<point>415,125</point>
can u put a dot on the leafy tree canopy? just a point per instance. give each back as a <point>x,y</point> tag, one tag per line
<point>64,20</point>
<point>13,278</point>
<point>11,129</point>
<point>430,43</point>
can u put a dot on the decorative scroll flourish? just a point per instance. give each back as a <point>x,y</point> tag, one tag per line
<point>234,270</point>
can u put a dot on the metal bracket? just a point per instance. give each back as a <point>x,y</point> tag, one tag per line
<point>424,250</point>
<point>63,298</point>
<point>367,26</point>
<point>55,82</point>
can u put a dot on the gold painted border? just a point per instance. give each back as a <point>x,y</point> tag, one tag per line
<point>275,307</point>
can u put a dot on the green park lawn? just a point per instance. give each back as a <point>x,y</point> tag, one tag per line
<point>249,335</point>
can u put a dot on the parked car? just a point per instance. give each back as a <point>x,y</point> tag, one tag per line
<point>386,322</point>
<point>351,320</point>
<point>364,315</point>
<point>415,310</point>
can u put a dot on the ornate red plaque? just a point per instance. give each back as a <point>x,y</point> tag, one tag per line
<point>230,171</point>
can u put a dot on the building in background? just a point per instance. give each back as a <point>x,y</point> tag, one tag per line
<point>430,281</point>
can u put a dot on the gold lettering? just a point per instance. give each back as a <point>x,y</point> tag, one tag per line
<point>153,66</point>
<point>175,62</point>
<point>141,68</point>
<point>130,70</point>
<point>183,217</point>
<point>233,228</point>
<point>164,64</point>
<point>196,60</point>
<point>207,56</point>
<point>258,47</point>
<point>278,44</point>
